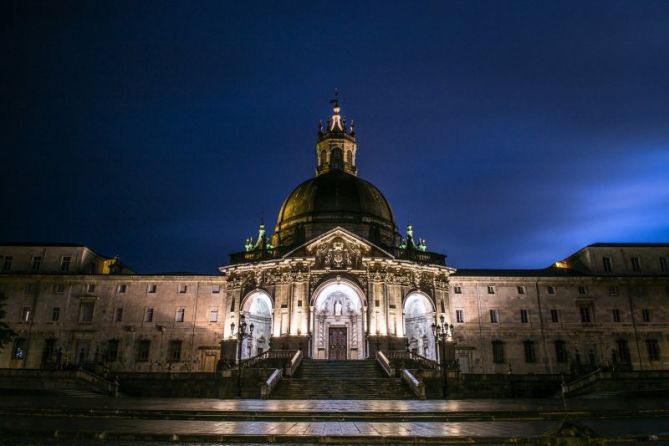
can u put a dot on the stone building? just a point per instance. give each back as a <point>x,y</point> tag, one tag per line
<point>337,280</point>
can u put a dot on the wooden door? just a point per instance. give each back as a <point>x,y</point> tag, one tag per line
<point>337,343</point>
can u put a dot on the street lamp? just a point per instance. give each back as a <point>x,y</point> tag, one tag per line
<point>241,335</point>
<point>442,332</point>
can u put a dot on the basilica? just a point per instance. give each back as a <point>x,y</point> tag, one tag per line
<point>337,280</point>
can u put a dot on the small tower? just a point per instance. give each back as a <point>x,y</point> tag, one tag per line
<point>335,145</point>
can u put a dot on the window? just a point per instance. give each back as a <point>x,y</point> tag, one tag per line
<point>645,315</point>
<point>151,288</point>
<point>25,314</point>
<point>491,289</point>
<point>215,289</point>
<point>299,304</point>
<point>585,314</point>
<point>181,313</point>
<point>174,351</point>
<point>112,350</point>
<point>55,314</point>
<point>65,263</point>
<point>521,290</point>
<point>653,349</point>
<point>90,288</point>
<point>36,264</point>
<point>122,288</point>
<point>582,290</point>
<point>457,289</point>
<point>560,351</point>
<point>459,316</point>
<point>336,158</point>
<point>613,291</point>
<point>232,305</point>
<point>616,315</point>
<point>555,316</point>
<point>19,350</point>
<point>498,351</point>
<point>213,314</point>
<point>59,288</point>
<point>550,289</point>
<point>524,317</point>
<point>493,316</point>
<point>86,311</point>
<point>664,265</point>
<point>377,303</point>
<point>608,267</point>
<point>143,348</point>
<point>118,315</point>
<point>636,264</point>
<point>623,351</point>
<point>183,287</point>
<point>530,351</point>
<point>148,315</point>
<point>7,264</point>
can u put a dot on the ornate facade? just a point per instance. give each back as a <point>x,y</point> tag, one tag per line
<point>337,280</point>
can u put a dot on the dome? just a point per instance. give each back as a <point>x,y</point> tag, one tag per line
<point>335,198</point>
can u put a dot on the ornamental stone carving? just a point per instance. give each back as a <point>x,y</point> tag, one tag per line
<point>338,253</point>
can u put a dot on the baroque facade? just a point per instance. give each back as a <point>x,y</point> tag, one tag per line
<point>337,280</point>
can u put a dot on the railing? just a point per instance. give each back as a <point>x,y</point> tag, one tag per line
<point>385,363</point>
<point>255,361</point>
<point>584,381</point>
<point>422,361</point>
<point>417,387</point>
<point>269,385</point>
<point>295,362</point>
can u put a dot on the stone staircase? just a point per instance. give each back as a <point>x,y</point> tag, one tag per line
<point>341,380</point>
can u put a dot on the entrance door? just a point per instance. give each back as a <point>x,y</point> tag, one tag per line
<point>337,343</point>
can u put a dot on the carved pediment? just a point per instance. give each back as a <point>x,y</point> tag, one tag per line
<point>338,252</point>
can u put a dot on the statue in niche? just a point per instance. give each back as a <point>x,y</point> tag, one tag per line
<point>337,308</point>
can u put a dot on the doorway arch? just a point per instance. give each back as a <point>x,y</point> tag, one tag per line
<point>257,310</point>
<point>419,313</point>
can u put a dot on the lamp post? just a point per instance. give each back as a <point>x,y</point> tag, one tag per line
<point>443,332</point>
<point>241,335</point>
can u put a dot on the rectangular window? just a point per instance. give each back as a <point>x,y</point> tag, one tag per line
<point>623,351</point>
<point>86,312</point>
<point>582,290</point>
<point>491,289</point>
<point>7,264</point>
<point>151,288</point>
<point>636,264</point>
<point>183,288</point>
<point>143,348</point>
<point>55,314</point>
<point>25,314</point>
<point>524,317</point>
<point>616,315</point>
<point>530,351</point>
<point>122,288</point>
<point>232,304</point>
<point>550,289</point>
<point>457,289</point>
<point>174,351</point>
<point>118,315</point>
<point>377,303</point>
<point>555,316</point>
<point>613,291</point>
<point>59,288</point>
<point>215,289</point>
<point>585,314</point>
<point>90,288</point>
<point>521,290</point>
<point>148,315</point>
<point>664,265</point>
<point>645,315</point>
<point>653,349</point>
<point>498,351</point>
<point>36,264</point>
<point>493,316</point>
<point>560,351</point>
<point>213,314</point>
<point>65,263</point>
<point>181,313</point>
<point>460,316</point>
<point>112,350</point>
<point>608,266</point>
<point>19,350</point>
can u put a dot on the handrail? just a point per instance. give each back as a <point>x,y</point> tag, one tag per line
<point>422,360</point>
<point>295,362</point>
<point>385,363</point>
<point>584,381</point>
<point>269,385</point>
<point>416,386</point>
<point>269,354</point>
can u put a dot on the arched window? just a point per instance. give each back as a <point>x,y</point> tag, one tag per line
<point>324,157</point>
<point>349,157</point>
<point>336,159</point>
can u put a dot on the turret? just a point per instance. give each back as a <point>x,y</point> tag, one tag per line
<point>335,144</point>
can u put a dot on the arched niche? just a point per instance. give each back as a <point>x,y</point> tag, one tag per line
<point>419,314</point>
<point>338,321</point>
<point>257,310</point>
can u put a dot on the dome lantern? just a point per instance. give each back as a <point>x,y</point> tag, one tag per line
<point>335,146</point>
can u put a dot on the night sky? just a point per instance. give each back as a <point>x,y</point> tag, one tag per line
<point>509,133</point>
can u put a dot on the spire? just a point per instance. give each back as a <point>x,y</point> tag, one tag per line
<point>335,146</point>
